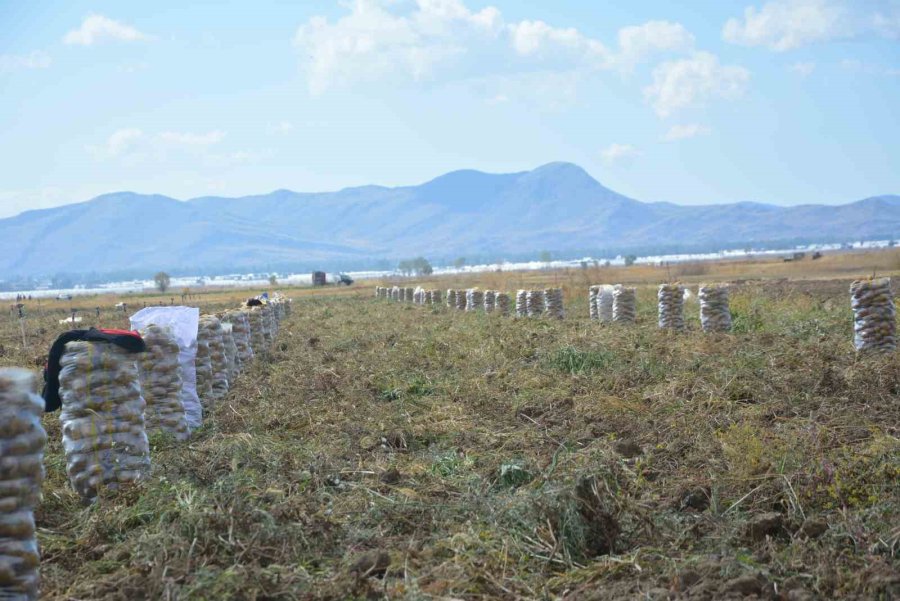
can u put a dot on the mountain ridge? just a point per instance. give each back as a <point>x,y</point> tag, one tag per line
<point>557,206</point>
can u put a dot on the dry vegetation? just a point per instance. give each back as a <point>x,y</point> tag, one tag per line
<point>395,451</point>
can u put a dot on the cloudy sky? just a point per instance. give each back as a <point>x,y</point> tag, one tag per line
<point>781,101</point>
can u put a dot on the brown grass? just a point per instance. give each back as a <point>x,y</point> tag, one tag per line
<point>396,451</point>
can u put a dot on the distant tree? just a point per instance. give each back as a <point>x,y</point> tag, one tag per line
<point>419,266</point>
<point>423,267</point>
<point>629,260</point>
<point>546,256</point>
<point>273,281</point>
<point>584,264</point>
<point>606,263</point>
<point>459,262</point>
<point>162,280</point>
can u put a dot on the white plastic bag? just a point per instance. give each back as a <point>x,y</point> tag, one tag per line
<point>183,321</point>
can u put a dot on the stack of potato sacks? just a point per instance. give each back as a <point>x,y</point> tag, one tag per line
<point>874,316</point>
<point>102,417</point>
<point>462,298</point>
<point>240,329</point>
<point>160,376</point>
<point>22,440</point>
<point>593,293</point>
<point>671,306</point>
<point>503,303</point>
<point>715,315</point>
<point>605,303</point>
<point>435,297</point>
<point>232,360</point>
<point>624,301</point>
<point>553,298</point>
<point>257,325</point>
<point>451,298</point>
<point>490,300</point>
<point>534,303</point>
<point>522,303</point>
<point>474,299</point>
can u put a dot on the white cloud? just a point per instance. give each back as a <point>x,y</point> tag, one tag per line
<point>33,60</point>
<point>615,152</point>
<point>638,42</point>
<point>803,69</point>
<point>498,99</point>
<point>97,28</point>
<point>377,39</point>
<point>122,140</point>
<point>372,42</point>
<point>282,127</point>
<point>692,82</point>
<point>536,37</point>
<point>133,143</point>
<point>684,132</point>
<point>191,139</point>
<point>786,24</point>
<point>857,66</point>
<point>887,25</point>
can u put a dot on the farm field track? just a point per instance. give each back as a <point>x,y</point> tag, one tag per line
<point>385,450</point>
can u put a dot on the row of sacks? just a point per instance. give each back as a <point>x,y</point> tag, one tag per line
<point>113,387</point>
<point>529,303</point>
<point>618,304</point>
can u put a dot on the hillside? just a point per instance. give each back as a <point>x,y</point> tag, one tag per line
<point>557,207</point>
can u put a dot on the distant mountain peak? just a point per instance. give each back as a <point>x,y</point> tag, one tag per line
<point>558,207</point>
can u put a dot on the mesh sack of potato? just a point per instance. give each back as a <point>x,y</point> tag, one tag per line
<point>490,300</point>
<point>160,376</point>
<point>232,361</point>
<point>715,314</point>
<point>593,293</point>
<point>183,325</point>
<point>271,322</point>
<point>22,441</point>
<point>605,303</point>
<point>427,298</point>
<point>203,367</point>
<point>522,303</point>
<point>534,303</point>
<point>451,298</point>
<point>435,297</point>
<point>670,303</point>
<point>462,299</point>
<point>874,315</point>
<point>211,329</point>
<point>410,293</point>
<point>553,299</point>
<point>474,299</point>
<point>102,417</point>
<point>503,304</point>
<point>240,330</point>
<point>257,327</point>
<point>624,304</point>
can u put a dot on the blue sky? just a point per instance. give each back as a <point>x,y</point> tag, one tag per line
<point>780,101</point>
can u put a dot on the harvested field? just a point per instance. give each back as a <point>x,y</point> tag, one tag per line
<point>388,450</point>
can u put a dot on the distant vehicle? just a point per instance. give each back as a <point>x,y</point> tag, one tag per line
<point>63,297</point>
<point>320,278</point>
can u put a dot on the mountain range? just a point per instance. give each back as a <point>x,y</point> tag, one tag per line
<point>558,207</point>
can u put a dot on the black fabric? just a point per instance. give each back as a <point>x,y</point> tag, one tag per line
<point>130,341</point>
<point>254,302</point>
